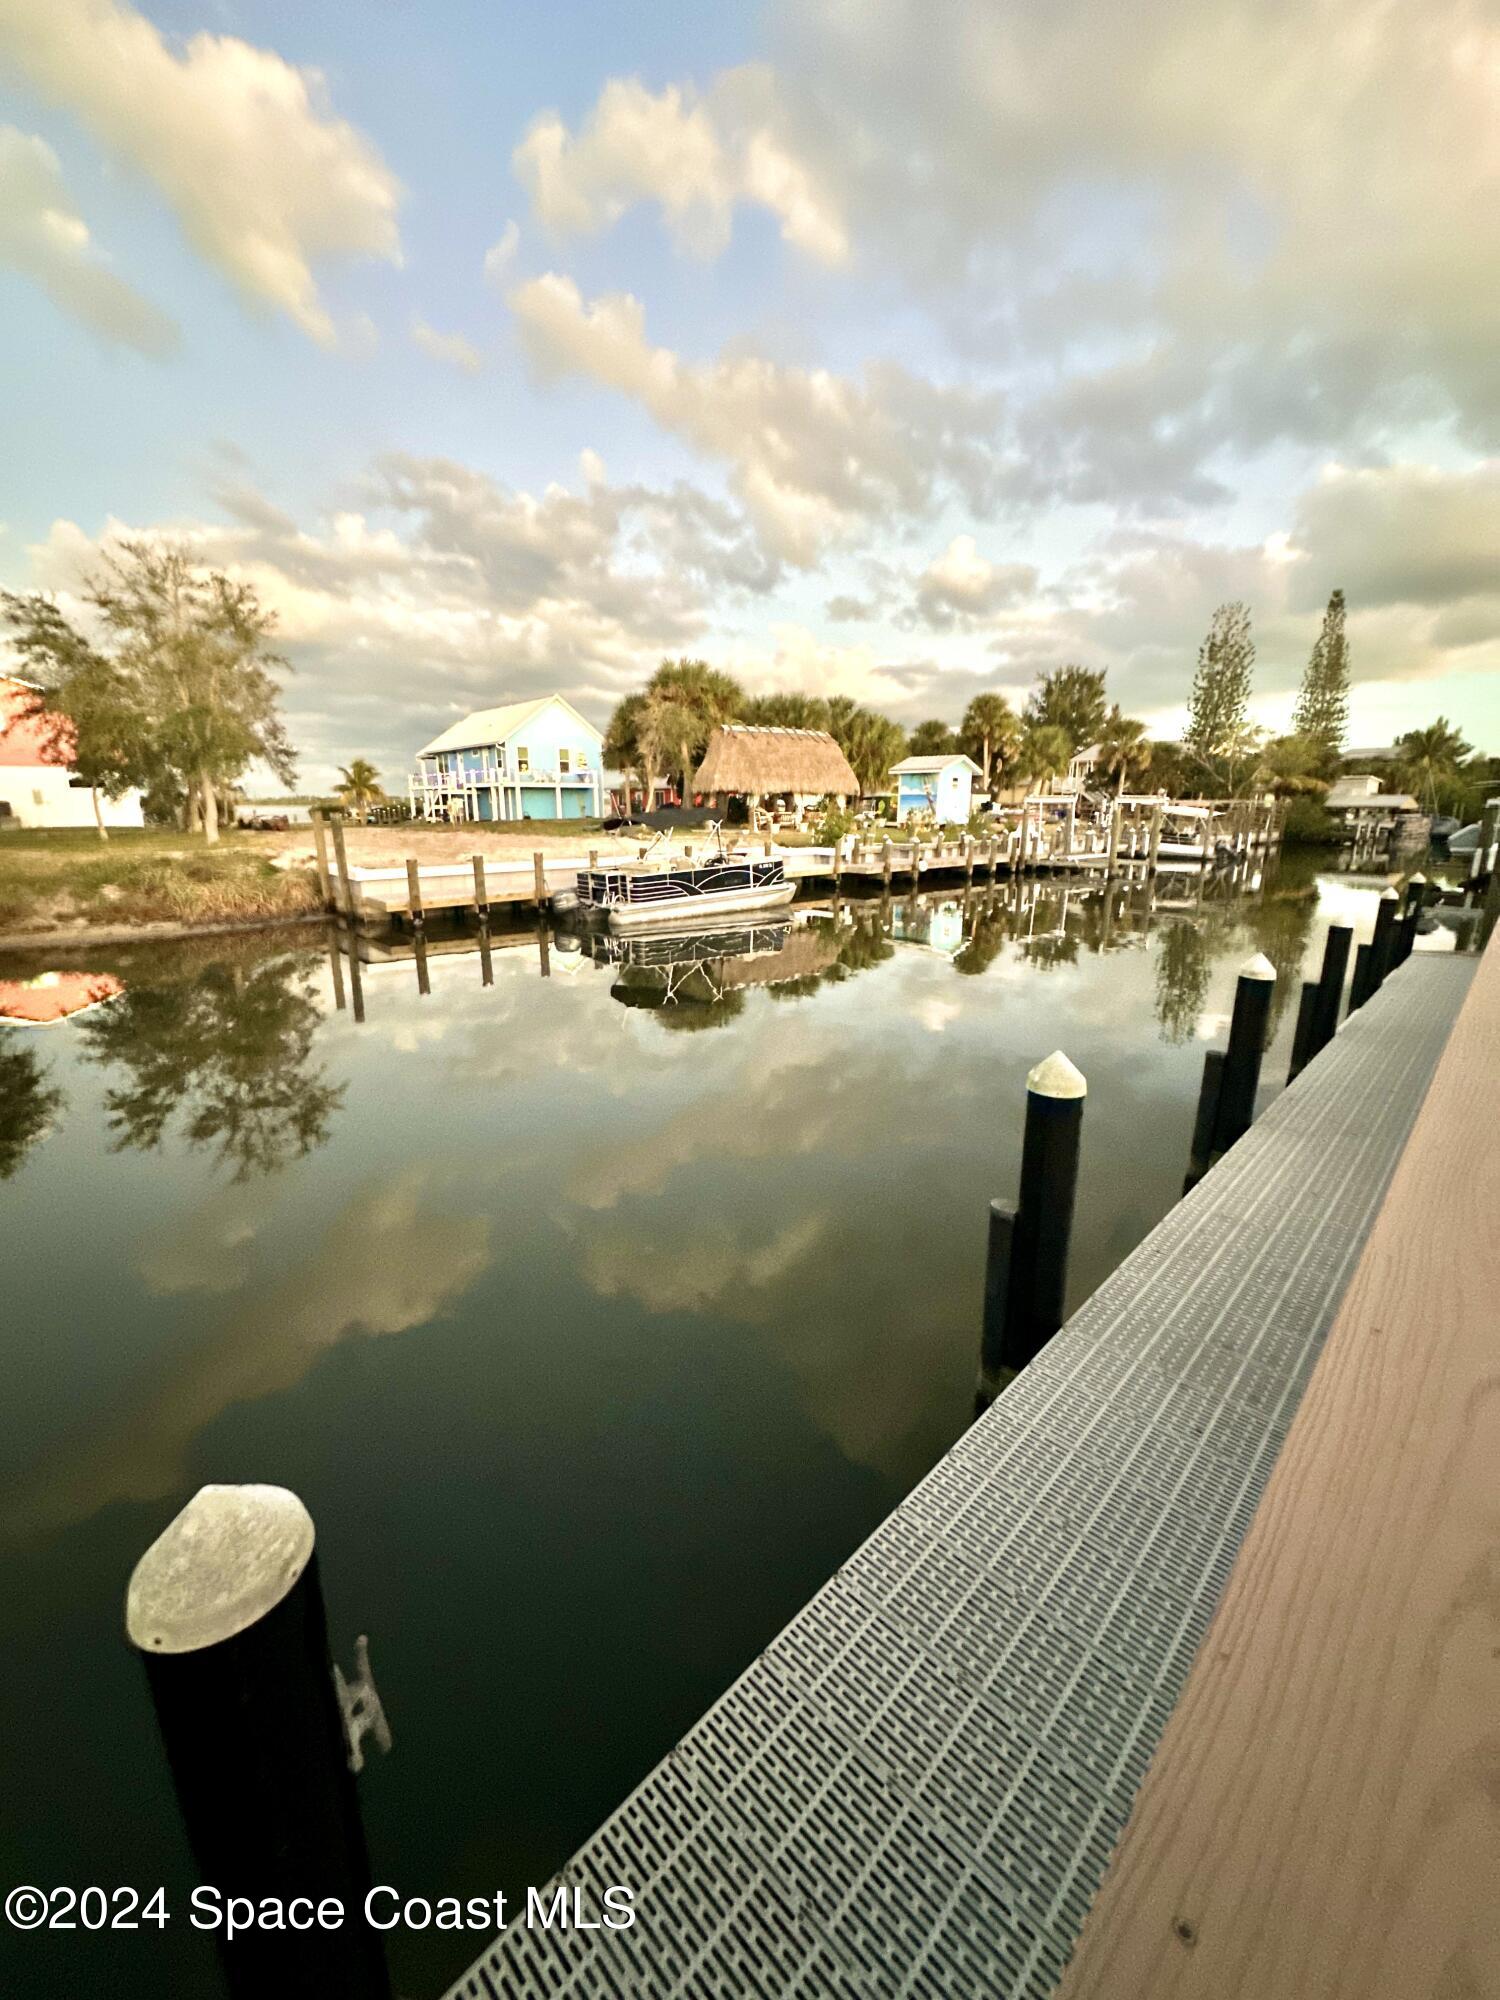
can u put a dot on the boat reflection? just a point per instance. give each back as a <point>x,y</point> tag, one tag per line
<point>705,973</point>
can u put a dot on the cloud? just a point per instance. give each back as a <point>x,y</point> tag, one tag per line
<point>1400,534</point>
<point>452,349</point>
<point>501,255</point>
<point>960,586</point>
<point>264,179</point>
<point>445,591</point>
<point>695,157</point>
<point>388,1263</point>
<point>812,454</point>
<point>43,236</point>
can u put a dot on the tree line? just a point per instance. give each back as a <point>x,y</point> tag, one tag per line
<point>661,731</point>
<point>174,689</point>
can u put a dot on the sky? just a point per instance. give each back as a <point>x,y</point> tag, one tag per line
<point>897,348</point>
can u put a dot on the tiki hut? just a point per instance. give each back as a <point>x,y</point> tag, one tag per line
<point>803,765</point>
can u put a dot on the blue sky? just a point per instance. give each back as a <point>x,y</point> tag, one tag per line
<point>902,349</point>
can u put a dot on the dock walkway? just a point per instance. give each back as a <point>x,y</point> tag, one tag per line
<point>916,1789</point>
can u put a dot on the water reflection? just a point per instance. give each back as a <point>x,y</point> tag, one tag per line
<point>29,1101</point>
<point>223,1050</point>
<point>1182,968</point>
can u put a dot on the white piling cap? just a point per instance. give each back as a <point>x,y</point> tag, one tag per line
<point>1057,1077</point>
<point>231,1555</point>
<point>1418,877</point>
<point>1259,967</point>
<point>1387,895</point>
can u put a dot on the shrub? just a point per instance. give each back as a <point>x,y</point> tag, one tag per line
<point>1309,824</point>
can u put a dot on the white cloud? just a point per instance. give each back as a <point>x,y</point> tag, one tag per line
<point>501,255</point>
<point>1401,534</point>
<point>961,586</point>
<point>696,157</point>
<point>264,179</point>
<point>43,236</point>
<point>452,349</point>
<point>446,592</point>
<point>813,454</point>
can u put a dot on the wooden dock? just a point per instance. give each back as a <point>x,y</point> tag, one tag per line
<point>409,891</point>
<point>917,1788</point>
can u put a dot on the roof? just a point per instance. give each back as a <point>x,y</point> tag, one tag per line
<point>1374,802</point>
<point>743,758</point>
<point>26,739</point>
<point>497,725</point>
<point>909,764</point>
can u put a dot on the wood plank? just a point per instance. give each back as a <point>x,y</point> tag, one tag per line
<point>1323,1815</point>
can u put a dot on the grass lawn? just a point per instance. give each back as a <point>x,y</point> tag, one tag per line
<point>53,879</point>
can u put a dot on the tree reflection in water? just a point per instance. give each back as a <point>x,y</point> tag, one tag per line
<point>222,1049</point>
<point>28,1101</point>
<point>1182,971</point>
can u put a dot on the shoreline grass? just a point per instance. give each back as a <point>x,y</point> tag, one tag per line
<point>66,879</point>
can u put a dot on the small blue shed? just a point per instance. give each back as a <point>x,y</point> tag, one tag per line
<point>943,786</point>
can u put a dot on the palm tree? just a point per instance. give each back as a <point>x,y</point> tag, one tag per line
<point>359,786</point>
<point>1429,756</point>
<point>695,690</point>
<point>1123,749</point>
<point>872,743</point>
<point>990,733</point>
<point>672,733</point>
<point>629,750</point>
<point>933,739</point>
<point>1046,752</point>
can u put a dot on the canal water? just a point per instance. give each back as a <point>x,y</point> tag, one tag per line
<point>597,1313</point>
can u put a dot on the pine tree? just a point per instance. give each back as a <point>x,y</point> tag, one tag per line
<point>1219,705</point>
<point>1322,713</point>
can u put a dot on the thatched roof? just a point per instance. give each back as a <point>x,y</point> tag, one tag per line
<point>743,759</point>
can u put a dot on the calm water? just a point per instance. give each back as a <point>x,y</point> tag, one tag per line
<point>596,1317</point>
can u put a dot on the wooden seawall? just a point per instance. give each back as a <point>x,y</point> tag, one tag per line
<point>917,1788</point>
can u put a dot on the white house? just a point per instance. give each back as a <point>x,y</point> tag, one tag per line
<point>38,787</point>
<point>942,786</point>
<point>530,760</point>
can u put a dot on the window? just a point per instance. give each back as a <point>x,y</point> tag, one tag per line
<point>563,757</point>
<point>523,760</point>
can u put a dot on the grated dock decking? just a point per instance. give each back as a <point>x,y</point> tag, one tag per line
<point>916,1788</point>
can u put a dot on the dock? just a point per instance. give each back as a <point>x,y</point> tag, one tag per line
<point>917,1789</point>
<point>409,891</point>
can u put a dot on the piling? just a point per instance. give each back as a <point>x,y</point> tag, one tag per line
<point>1416,891</point>
<point>414,894</point>
<point>481,891</point>
<point>1037,1290</point>
<point>336,968</point>
<point>1331,985</point>
<point>226,1611</point>
<point>997,1265</point>
<point>539,875</point>
<point>544,950</point>
<point>885,858</point>
<point>419,953</point>
<point>1200,1151</point>
<point>1302,1040</point>
<point>320,842</point>
<point>346,892</point>
<point>1247,1044</point>
<point>1359,985</point>
<point>1386,912</point>
<point>486,961</point>
<point>1116,816</point>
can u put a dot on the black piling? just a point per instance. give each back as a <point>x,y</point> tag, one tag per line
<point>227,1613</point>
<point>419,953</point>
<point>1247,1045</point>
<point>1359,985</point>
<point>1331,985</point>
<point>1037,1292</point>
<point>1307,1014</point>
<point>1200,1152</point>
<point>1382,942</point>
<point>997,1267</point>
